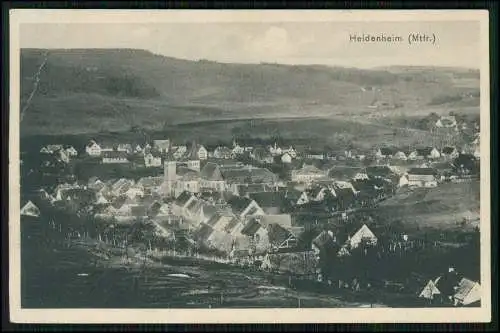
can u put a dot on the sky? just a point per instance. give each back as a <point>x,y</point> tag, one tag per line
<point>326,43</point>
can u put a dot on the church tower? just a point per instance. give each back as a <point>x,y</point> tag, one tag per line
<point>193,160</point>
<point>169,177</point>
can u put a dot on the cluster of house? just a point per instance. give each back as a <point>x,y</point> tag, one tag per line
<point>453,288</point>
<point>263,155</point>
<point>240,228</point>
<point>62,153</point>
<point>152,154</point>
<point>430,153</point>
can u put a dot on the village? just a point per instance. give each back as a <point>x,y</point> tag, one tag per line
<point>277,208</point>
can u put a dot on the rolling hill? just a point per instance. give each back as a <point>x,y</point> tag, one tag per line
<point>92,90</point>
<point>440,208</point>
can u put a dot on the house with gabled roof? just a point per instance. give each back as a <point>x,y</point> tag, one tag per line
<point>211,177</point>
<point>256,233</point>
<point>223,152</point>
<point>178,152</point>
<point>30,209</point>
<point>318,193</point>
<point>242,206</point>
<point>384,152</point>
<point>220,220</point>
<point>449,152</point>
<point>422,177</point>
<point>237,149</point>
<point>325,239</point>
<point>427,152</point>
<point>271,202</point>
<point>152,160</point>
<point>430,291</point>
<point>283,238</point>
<point>362,235</point>
<point>214,239</point>
<point>234,226</point>
<point>197,152</point>
<point>275,150</point>
<point>286,158</point>
<point>467,292</point>
<point>71,151</point>
<point>262,155</point>
<point>182,201</point>
<point>400,155</point>
<point>93,149</point>
<point>50,149</point>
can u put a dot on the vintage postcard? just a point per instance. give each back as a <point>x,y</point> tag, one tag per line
<point>249,166</point>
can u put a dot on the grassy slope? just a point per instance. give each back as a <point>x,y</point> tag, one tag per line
<point>82,91</point>
<point>439,207</point>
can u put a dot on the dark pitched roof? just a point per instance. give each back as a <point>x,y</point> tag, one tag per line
<point>422,171</point>
<point>183,198</point>
<point>248,174</point>
<point>230,226</point>
<point>448,150</point>
<point>277,234</point>
<point>203,232</point>
<point>239,204</point>
<point>322,239</point>
<point>269,199</point>
<point>251,227</point>
<point>209,210</point>
<point>192,153</point>
<point>387,151</point>
<point>214,219</point>
<point>211,171</point>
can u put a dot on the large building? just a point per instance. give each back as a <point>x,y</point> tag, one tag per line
<point>422,177</point>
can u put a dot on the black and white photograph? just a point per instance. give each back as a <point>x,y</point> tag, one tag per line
<point>199,163</point>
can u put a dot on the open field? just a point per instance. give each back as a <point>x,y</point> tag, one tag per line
<point>87,91</point>
<point>337,133</point>
<point>435,208</point>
